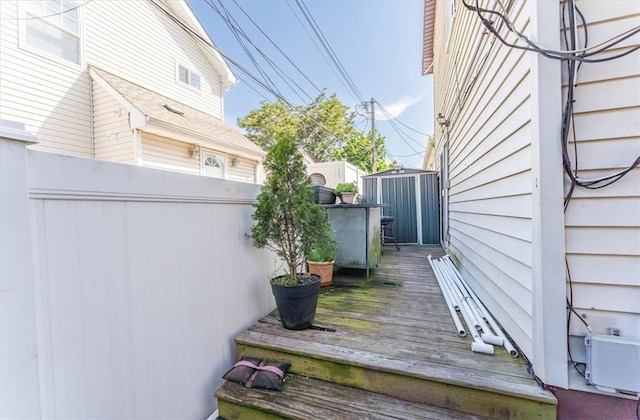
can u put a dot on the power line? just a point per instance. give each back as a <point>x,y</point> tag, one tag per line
<point>327,47</point>
<point>236,29</point>
<point>251,76</point>
<point>277,47</point>
<point>400,133</point>
<point>390,117</point>
<point>236,34</point>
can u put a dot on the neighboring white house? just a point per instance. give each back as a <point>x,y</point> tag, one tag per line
<point>499,154</point>
<point>337,171</point>
<point>125,81</point>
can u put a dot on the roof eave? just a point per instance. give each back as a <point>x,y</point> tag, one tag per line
<point>428,35</point>
<point>169,130</point>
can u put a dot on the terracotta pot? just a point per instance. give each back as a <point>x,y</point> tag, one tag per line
<point>324,270</point>
<point>347,197</point>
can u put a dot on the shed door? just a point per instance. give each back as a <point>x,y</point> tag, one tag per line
<point>400,194</point>
<point>430,195</point>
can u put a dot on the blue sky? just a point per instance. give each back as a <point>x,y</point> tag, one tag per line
<point>378,42</point>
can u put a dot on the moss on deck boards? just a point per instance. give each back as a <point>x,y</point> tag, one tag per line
<point>394,335</point>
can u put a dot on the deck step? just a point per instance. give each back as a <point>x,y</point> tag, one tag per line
<point>308,398</point>
<point>329,356</point>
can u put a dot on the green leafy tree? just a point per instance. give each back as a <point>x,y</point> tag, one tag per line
<point>287,218</point>
<point>270,122</point>
<point>357,151</point>
<point>325,128</point>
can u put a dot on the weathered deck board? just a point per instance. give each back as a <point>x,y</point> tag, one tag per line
<point>394,335</point>
<point>308,398</point>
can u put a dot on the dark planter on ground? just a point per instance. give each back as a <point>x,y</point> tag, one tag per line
<point>297,304</point>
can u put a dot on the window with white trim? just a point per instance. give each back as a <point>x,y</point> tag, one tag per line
<point>213,166</point>
<point>52,28</point>
<point>189,76</point>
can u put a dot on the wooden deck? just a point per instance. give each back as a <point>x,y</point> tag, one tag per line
<point>380,345</point>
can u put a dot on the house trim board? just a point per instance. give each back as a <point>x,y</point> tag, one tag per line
<point>549,332</point>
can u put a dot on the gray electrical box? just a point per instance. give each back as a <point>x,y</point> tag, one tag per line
<point>613,363</point>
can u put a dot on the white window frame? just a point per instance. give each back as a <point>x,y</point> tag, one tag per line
<point>26,15</point>
<point>450,18</point>
<point>220,158</point>
<point>191,73</point>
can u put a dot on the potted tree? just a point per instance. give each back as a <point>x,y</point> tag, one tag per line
<point>322,256</point>
<point>287,219</point>
<point>346,191</point>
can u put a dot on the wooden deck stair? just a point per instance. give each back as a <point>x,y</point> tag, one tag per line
<point>384,348</point>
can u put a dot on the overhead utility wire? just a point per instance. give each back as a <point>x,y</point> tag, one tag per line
<point>243,46</point>
<point>277,47</point>
<point>553,54</point>
<point>322,54</point>
<point>397,130</point>
<point>327,46</point>
<point>236,29</point>
<point>391,117</point>
<point>209,44</point>
<point>283,75</point>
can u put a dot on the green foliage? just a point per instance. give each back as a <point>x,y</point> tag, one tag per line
<point>325,246</point>
<point>325,128</point>
<point>346,187</point>
<point>287,218</point>
<point>357,151</point>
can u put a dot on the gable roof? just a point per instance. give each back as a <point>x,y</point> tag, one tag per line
<point>150,110</point>
<point>427,40</point>
<point>182,10</point>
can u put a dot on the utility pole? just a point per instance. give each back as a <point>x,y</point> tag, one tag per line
<point>373,136</point>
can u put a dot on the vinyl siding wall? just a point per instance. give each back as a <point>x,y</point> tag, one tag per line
<point>164,153</point>
<point>483,88</point>
<point>244,171</point>
<point>111,131</point>
<point>129,38</point>
<point>51,97</point>
<point>146,51</point>
<point>603,226</point>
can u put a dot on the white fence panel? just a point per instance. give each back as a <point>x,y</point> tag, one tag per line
<point>142,280</point>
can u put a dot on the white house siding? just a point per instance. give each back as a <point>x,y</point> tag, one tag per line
<point>163,153</point>
<point>483,88</point>
<point>139,43</point>
<point>51,97</point>
<point>603,226</point>
<point>112,133</point>
<point>129,38</point>
<point>244,171</point>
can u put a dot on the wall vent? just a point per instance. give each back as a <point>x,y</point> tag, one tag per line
<point>613,363</point>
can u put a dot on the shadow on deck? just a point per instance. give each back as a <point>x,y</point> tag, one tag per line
<point>386,348</point>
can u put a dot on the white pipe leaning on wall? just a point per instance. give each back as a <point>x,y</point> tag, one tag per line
<point>478,345</point>
<point>481,322</point>
<point>485,312</point>
<point>448,300</point>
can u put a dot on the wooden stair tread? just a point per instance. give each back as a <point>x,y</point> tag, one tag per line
<point>305,398</point>
<point>431,371</point>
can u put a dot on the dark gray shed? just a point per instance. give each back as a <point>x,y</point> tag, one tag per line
<point>411,196</point>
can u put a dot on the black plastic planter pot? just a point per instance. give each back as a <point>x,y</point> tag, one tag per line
<point>297,304</point>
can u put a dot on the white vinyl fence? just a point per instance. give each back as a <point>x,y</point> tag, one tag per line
<point>121,288</point>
